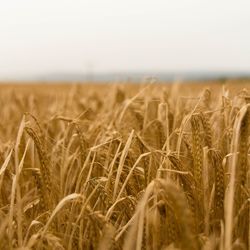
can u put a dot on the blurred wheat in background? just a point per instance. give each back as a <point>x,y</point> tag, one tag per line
<point>124,167</point>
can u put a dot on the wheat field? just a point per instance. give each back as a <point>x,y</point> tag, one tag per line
<point>125,166</point>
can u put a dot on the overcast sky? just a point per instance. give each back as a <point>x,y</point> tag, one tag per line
<point>46,36</point>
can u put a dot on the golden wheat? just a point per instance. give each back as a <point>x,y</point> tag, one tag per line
<point>147,166</point>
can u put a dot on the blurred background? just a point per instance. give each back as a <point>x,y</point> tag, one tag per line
<point>91,40</point>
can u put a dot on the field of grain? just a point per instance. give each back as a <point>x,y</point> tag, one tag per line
<point>125,166</point>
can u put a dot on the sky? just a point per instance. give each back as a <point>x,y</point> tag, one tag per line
<point>60,36</point>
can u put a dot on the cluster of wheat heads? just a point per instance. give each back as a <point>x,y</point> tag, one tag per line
<point>152,170</point>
